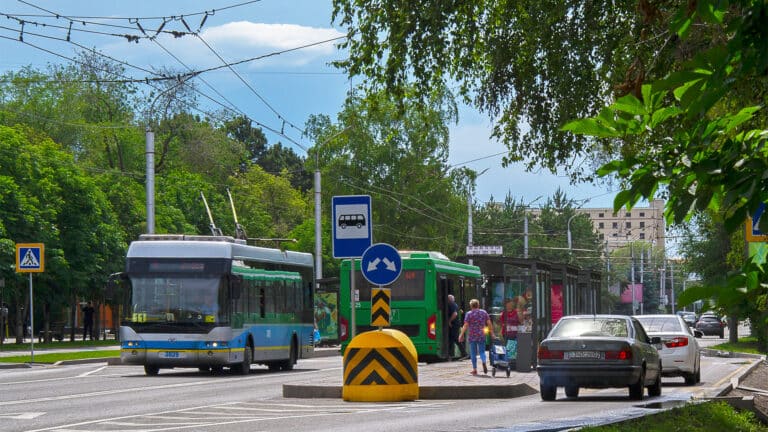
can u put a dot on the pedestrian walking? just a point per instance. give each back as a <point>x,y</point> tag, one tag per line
<point>475,322</point>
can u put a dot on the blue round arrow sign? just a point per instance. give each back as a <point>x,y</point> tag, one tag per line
<point>381,264</point>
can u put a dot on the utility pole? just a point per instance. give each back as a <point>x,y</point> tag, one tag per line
<point>469,224</point>
<point>672,283</point>
<point>150,186</point>
<point>525,234</point>
<point>632,253</point>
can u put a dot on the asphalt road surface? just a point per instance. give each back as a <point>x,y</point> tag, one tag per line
<point>95,397</point>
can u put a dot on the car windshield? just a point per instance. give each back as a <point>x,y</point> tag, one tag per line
<point>660,324</point>
<point>576,327</point>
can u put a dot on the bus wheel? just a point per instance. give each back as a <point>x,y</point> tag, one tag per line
<point>288,364</point>
<point>151,370</point>
<point>245,367</point>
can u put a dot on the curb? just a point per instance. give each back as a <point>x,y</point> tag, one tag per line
<point>15,366</point>
<point>425,392</point>
<point>730,354</point>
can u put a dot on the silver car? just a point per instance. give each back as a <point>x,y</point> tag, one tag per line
<point>598,351</point>
<point>679,350</point>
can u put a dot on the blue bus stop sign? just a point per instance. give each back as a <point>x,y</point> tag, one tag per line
<point>381,264</point>
<point>351,225</point>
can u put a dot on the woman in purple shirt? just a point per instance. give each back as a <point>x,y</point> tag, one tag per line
<point>474,323</point>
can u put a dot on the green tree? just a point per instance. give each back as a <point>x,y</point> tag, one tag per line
<point>48,199</point>
<point>399,158</point>
<point>698,137</point>
<point>530,65</point>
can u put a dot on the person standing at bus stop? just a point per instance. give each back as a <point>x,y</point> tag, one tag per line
<point>475,321</point>
<point>454,323</point>
<point>88,320</point>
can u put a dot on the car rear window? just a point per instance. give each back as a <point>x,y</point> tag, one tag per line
<point>709,318</point>
<point>660,324</point>
<point>576,327</point>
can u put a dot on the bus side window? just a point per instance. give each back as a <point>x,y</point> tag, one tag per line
<point>263,300</point>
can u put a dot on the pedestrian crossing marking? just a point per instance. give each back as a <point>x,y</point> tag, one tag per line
<point>30,260</point>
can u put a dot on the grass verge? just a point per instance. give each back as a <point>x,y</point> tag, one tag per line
<point>704,417</point>
<point>55,357</point>
<point>746,345</point>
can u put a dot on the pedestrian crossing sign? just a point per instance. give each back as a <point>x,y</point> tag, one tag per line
<point>30,257</point>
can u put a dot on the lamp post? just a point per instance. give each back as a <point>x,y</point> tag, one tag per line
<point>570,245</point>
<point>318,211</point>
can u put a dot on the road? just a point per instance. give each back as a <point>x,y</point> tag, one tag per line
<point>95,397</point>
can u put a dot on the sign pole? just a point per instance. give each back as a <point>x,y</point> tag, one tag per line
<point>352,326</point>
<point>31,324</point>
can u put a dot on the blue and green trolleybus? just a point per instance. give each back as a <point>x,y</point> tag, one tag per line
<point>419,300</point>
<point>211,302</point>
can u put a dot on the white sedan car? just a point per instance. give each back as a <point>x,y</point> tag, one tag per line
<point>679,350</point>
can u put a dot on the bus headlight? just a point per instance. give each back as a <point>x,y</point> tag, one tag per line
<point>216,344</point>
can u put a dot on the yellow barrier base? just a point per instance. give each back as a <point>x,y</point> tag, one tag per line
<point>380,366</point>
<point>380,393</point>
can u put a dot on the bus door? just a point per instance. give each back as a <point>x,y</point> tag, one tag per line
<point>444,288</point>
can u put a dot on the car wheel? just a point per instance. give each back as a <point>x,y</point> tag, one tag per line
<point>637,389</point>
<point>655,388</point>
<point>572,391</point>
<point>548,392</point>
<point>698,373</point>
<point>151,370</point>
<point>690,378</point>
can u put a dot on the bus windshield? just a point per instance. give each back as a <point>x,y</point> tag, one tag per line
<point>178,299</point>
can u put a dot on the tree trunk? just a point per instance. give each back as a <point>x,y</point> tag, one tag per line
<point>72,316</point>
<point>733,329</point>
<point>47,322</point>
<point>20,317</point>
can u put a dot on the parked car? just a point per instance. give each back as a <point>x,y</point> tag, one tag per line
<point>679,351</point>
<point>711,325</point>
<point>688,317</point>
<point>598,351</point>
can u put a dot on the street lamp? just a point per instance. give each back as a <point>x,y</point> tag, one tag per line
<point>569,231</point>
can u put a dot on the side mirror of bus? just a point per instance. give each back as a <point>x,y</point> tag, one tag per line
<point>235,286</point>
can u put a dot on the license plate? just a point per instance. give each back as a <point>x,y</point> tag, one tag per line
<point>171,354</point>
<point>583,355</point>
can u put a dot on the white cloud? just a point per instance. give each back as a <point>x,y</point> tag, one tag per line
<point>245,34</point>
<point>234,41</point>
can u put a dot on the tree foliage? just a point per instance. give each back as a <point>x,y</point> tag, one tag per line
<point>700,138</point>
<point>399,158</point>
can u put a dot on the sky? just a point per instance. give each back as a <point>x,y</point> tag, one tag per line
<point>280,91</point>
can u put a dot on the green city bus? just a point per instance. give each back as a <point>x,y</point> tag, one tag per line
<point>419,300</point>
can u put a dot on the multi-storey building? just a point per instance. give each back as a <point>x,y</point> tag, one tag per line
<point>639,224</point>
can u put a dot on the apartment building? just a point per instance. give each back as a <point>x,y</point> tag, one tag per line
<point>639,224</point>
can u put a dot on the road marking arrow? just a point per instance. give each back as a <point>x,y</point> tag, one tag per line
<point>373,265</point>
<point>21,416</point>
<point>390,265</point>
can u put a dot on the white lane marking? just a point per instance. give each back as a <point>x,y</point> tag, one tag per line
<point>21,416</point>
<point>188,423</point>
<point>116,391</point>
<point>85,374</point>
